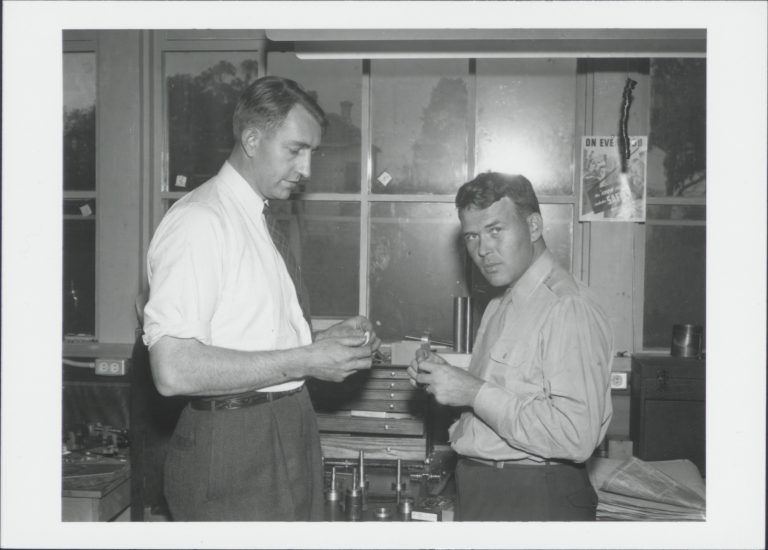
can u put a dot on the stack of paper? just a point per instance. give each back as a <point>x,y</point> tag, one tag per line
<point>648,491</point>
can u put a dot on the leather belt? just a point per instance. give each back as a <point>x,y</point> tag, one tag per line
<point>232,402</point>
<point>524,462</point>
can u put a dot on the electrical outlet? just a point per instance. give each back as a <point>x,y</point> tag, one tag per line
<point>618,380</point>
<point>110,367</point>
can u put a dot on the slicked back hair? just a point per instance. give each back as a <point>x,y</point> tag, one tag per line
<point>268,100</point>
<point>489,187</point>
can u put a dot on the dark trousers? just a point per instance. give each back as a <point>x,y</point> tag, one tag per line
<point>258,463</point>
<point>559,492</point>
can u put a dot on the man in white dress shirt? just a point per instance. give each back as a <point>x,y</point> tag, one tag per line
<point>224,326</point>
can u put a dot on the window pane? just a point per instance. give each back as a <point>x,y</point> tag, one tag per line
<point>79,80</point>
<point>416,267</point>
<point>675,281</point>
<point>526,120</point>
<point>419,125</point>
<point>558,231</point>
<point>203,89</point>
<point>325,237</point>
<point>677,157</point>
<point>337,85</point>
<point>79,281</point>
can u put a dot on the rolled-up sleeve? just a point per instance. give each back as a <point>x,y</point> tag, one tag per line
<point>566,415</point>
<point>184,266</point>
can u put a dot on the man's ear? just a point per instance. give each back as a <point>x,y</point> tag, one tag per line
<point>250,139</point>
<point>535,226</point>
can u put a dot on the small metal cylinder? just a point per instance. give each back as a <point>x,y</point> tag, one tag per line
<point>332,495</point>
<point>462,324</point>
<point>363,496</point>
<point>687,340</point>
<point>353,501</point>
<point>405,507</point>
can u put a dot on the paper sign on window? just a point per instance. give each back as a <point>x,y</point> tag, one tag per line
<point>607,192</point>
<point>384,178</point>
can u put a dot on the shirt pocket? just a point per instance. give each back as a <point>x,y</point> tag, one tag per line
<point>514,363</point>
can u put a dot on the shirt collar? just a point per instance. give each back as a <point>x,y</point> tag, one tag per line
<point>533,276</point>
<point>242,190</point>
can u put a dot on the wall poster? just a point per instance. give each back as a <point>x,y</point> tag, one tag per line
<point>611,191</point>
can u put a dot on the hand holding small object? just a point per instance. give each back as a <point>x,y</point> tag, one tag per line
<point>358,326</point>
<point>450,385</point>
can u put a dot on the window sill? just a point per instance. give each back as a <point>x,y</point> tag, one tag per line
<point>96,349</point>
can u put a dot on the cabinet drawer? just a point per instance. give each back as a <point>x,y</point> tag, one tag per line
<point>387,384</point>
<point>410,407</point>
<point>347,392</point>
<point>352,424</point>
<point>677,389</point>
<point>388,372</point>
<point>376,448</point>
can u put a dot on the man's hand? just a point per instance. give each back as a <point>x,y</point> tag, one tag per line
<point>354,326</point>
<point>450,385</point>
<point>335,358</point>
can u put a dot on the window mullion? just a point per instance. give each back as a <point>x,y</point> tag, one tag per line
<point>366,165</point>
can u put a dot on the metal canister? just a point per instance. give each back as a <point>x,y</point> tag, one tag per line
<point>353,501</point>
<point>405,507</point>
<point>462,324</point>
<point>687,340</point>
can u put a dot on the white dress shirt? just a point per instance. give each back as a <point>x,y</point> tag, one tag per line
<point>215,275</point>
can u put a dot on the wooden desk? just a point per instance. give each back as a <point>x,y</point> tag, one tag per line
<point>97,491</point>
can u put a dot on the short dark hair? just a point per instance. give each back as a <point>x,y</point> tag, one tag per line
<point>489,187</point>
<point>268,100</point>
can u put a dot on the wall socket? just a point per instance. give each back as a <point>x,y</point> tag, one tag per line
<point>110,367</point>
<point>618,380</point>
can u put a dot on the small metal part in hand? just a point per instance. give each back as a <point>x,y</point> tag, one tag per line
<point>422,354</point>
<point>367,337</point>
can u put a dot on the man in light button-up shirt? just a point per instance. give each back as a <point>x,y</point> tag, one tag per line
<point>224,326</point>
<point>537,394</point>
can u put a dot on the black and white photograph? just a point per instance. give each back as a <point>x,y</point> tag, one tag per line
<point>384,274</point>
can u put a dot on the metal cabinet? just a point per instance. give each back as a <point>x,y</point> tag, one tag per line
<point>667,408</point>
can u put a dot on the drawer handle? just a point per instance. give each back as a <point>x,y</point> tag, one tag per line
<point>391,395</point>
<point>392,374</point>
<point>661,380</point>
<point>386,426</point>
<point>391,406</point>
<point>391,385</point>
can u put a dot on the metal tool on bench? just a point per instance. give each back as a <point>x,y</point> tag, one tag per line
<point>332,495</point>
<point>353,503</point>
<point>363,499</point>
<point>399,486</point>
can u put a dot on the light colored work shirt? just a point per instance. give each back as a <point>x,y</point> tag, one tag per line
<point>544,349</point>
<point>215,275</point>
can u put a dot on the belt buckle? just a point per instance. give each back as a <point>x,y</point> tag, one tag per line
<point>232,404</point>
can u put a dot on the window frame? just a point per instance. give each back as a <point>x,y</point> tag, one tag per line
<point>219,40</point>
<point>86,42</point>
<point>639,267</point>
<point>185,41</point>
<point>182,41</point>
<point>366,198</point>
<point>640,243</point>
